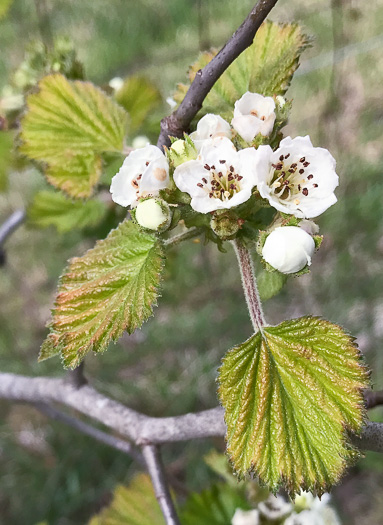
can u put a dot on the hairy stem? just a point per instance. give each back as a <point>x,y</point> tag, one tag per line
<point>156,471</point>
<point>249,284</point>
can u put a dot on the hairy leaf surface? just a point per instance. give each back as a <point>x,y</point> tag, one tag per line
<point>67,126</point>
<point>289,395</point>
<point>266,67</point>
<point>132,505</point>
<point>110,289</point>
<point>54,209</point>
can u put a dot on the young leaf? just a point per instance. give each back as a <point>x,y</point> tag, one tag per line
<point>290,393</point>
<point>266,67</point>
<point>139,97</point>
<point>270,284</point>
<point>53,208</point>
<point>110,289</point>
<point>133,505</point>
<point>67,126</point>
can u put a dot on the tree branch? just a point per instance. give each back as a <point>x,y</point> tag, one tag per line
<point>156,471</point>
<point>373,399</point>
<point>179,121</point>
<point>95,433</point>
<point>11,224</point>
<point>138,428</point>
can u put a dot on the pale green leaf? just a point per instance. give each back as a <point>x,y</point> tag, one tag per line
<point>132,505</point>
<point>110,289</point>
<point>270,283</point>
<point>289,395</point>
<point>140,98</point>
<point>66,127</point>
<point>53,208</point>
<point>214,506</point>
<point>266,67</point>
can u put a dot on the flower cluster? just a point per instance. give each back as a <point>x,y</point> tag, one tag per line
<point>221,166</point>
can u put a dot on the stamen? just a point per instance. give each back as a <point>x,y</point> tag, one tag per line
<point>231,169</point>
<point>207,167</point>
<point>222,161</point>
<point>281,158</point>
<point>305,164</point>
<point>287,156</point>
<point>315,185</point>
<point>200,185</point>
<point>310,177</point>
<point>147,163</point>
<point>296,202</point>
<point>302,159</point>
<point>305,192</point>
<point>301,171</point>
<point>204,180</point>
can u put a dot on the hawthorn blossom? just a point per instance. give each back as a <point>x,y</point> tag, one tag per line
<point>210,127</point>
<point>288,249</point>
<point>297,178</point>
<point>144,172</point>
<point>219,178</point>
<point>253,114</point>
<point>245,517</point>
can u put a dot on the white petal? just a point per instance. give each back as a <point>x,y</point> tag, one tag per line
<point>288,249</point>
<point>253,114</point>
<point>155,176</point>
<point>123,193</point>
<point>209,127</point>
<point>188,175</point>
<point>298,142</point>
<point>263,164</point>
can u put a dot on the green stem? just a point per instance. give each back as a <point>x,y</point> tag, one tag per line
<point>249,284</point>
<point>177,239</point>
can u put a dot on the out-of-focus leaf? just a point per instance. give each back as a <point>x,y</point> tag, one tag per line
<point>270,283</point>
<point>6,147</point>
<point>112,288</point>
<point>214,506</point>
<point>140,98</point>
<point>266,67</point>
<point>53,208</point>
<point>290,394</point>
<point>67,126</point>
<point>4,7</point>
<point>132,505</point>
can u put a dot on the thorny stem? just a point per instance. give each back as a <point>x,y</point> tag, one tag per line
<point>156,471</point>
<point>249,284</point>
<point>177,239</point>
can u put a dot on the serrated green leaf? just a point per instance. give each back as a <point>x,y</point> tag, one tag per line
<point>270,283</point>
<point>290,394</point>
<point>133,505</point>
<point>66,127</point>
<point>110,289</point>
<point>139,97</point>
<point>214,506</point>
<point>266,67</point>
<point>54,209</point>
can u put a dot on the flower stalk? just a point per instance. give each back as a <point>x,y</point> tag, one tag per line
<point>249,284</point>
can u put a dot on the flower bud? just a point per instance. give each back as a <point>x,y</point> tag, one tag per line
<point>152,214</point>
<point>182,151</point>
<point>288,249</point>
<point>140,142</point>
<point>245,517</point>
<point>225,225</point>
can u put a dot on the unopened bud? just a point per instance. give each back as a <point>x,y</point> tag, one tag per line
<point>288,249</point>
<point>181,151</point>
<point>152,214</point>
<point>225,224</point>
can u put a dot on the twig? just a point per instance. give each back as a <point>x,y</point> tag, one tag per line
<point>179,121</point>
<point>77,377</point>
<point>156,471</point>
<point>373,399</point>
<point>89,430</point>
<point>249,284</point>
<point>177,239</point>
<point>371,437</point>
<point>11,224</point>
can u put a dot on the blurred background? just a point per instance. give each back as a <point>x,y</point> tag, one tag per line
<point>49,472</point>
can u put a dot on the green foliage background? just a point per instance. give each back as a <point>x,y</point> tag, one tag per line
<point>48,472</point>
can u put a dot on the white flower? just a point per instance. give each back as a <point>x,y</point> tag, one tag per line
<point>172,103</point>
<point>288,249</point>
<point>150,214</point>
<point>245,517</point>
<point>306,517</point>
<point>210,127</point>
<point>144,172</point>
<point>253,114</point>
<point>297,178</point>
<point>280,100</point>
<point>219,178</point>
<point>140,142</point>
<point>274,508</point>
<point>116,83</point>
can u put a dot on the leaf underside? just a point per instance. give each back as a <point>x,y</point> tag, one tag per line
<point>266,67</point>
<point>289,396</point>
<point>68,124</point>
<point>112,288</point>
